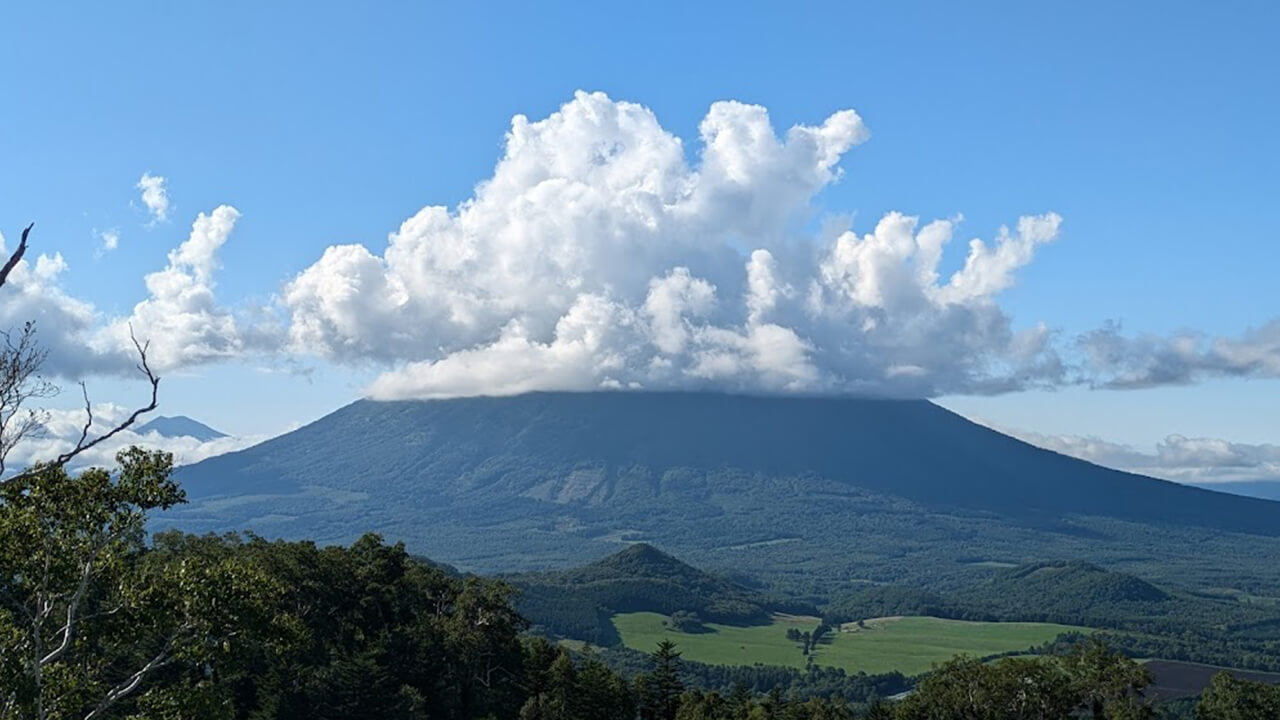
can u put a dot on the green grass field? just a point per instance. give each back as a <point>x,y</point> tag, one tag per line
<point>910,645</point>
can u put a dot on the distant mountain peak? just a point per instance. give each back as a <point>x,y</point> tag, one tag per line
<point>180,426</point>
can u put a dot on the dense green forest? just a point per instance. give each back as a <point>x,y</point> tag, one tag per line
<point>97,622</point>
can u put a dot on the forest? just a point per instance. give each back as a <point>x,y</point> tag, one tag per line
<point>98,622</point>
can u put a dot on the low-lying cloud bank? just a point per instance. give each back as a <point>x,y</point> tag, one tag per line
<point>62,430</point>
<point>598,255</point>
<point>1177,458</point>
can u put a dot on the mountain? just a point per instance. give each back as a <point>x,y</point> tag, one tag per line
<point>180,426</point>
<point>640,578</point>
<point>803,492</point>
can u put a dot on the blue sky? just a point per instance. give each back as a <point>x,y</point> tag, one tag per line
<point>1148,127</point>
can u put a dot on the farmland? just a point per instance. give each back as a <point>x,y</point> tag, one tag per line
<point>910,645</point>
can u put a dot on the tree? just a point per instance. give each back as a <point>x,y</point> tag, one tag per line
<point>685,621</point>
<point>87,618</point>
<point>659,689</point>
<point>1106,681</point>
<point>1092,680</point>
<point>603,694</point>
<point>1231,698</point>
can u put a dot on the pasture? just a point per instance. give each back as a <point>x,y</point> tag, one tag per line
<point>910,645</point>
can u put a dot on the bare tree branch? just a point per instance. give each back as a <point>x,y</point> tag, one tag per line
<point>20,383</point>
<point>86,442</point>
<point>131,683</point>
<point>16,257</point>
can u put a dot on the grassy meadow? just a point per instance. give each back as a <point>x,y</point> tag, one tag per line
<point>910,645</point>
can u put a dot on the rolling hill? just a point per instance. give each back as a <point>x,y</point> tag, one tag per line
<point>577,603</point>
<point>807,493</point>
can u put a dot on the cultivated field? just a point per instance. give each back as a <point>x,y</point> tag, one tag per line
<point>910,645</point>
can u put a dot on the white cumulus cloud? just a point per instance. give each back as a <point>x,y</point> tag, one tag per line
<point>598,255</point>
<point>179,317</point>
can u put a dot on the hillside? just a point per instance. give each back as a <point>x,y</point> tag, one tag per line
<point>805,492</point>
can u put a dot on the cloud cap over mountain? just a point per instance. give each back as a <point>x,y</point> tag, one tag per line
<point>605,253</point>
<point>598,256</point>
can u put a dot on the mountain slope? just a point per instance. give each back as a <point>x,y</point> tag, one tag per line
<point>180,426</point>
<point>878,489</point>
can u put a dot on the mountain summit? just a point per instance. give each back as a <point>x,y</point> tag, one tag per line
<point>881,489</point>
<point>180,426</point>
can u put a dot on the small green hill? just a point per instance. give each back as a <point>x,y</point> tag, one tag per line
<point>1060,590</point>
<point>1069,592</point>
<point>577,603</point>
<point>1080,593</point>
<point>1084,581</point>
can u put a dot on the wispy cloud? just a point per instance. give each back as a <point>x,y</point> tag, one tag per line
<point>1177,457</point>
<point>155,196</point>
<point>1121,361</point>
<point>108,240</point>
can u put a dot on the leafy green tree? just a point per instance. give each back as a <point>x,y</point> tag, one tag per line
<point>1231,698</point>
<point>1092,680</point>
<point>88,622</point>
<point>1107,684</point>
<point>685,621</point>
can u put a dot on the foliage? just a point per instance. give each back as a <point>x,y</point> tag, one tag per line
<point>1230,698</point>
<point>89,621</point>
<point>1091,680</point>
<point>686,622</point>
